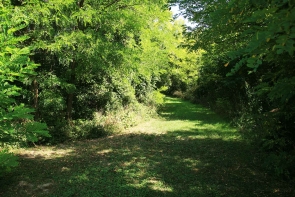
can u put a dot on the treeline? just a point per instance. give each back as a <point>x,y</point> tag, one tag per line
<point>247,70</point>
<point>82,69</point>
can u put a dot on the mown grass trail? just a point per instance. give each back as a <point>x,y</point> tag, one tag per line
<point>187,151</point>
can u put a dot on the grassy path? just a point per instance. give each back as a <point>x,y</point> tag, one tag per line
<point>188,151</point>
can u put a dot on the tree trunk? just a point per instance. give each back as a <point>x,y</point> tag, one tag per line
<point>71,94</point>
<point>35,98</point>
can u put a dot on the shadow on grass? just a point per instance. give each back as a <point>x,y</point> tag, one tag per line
<point>203,133</point>
<point>195,162</point>
<point>144,165</point>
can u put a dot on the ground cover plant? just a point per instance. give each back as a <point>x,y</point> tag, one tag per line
<point>187,151</point>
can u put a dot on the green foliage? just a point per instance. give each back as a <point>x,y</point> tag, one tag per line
<point>157,98</point>
<point>181,71</point>
<point>16,119</point>
<point>84,129</point>
<point>248,72</point>
<point>7,161</point>
<point>107,57</point>
<point>95,56</point>
<point>281,163</point>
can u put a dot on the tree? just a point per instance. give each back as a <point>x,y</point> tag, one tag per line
<point>93,55</point>
<point>251,43</point>
<point>16,119</point>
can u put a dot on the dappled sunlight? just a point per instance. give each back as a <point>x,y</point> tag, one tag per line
<point>44,153</point>
<point>103,152</point>
<point>161,157</point>
<point>186,120</point>
<point>64,169</point>
<point>158,185</point>
<point>148,165</point>
<point>169,100</point>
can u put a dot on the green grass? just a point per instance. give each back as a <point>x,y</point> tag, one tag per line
<point>187,151</point>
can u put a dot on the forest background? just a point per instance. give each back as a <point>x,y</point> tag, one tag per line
<point>75,70</point>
